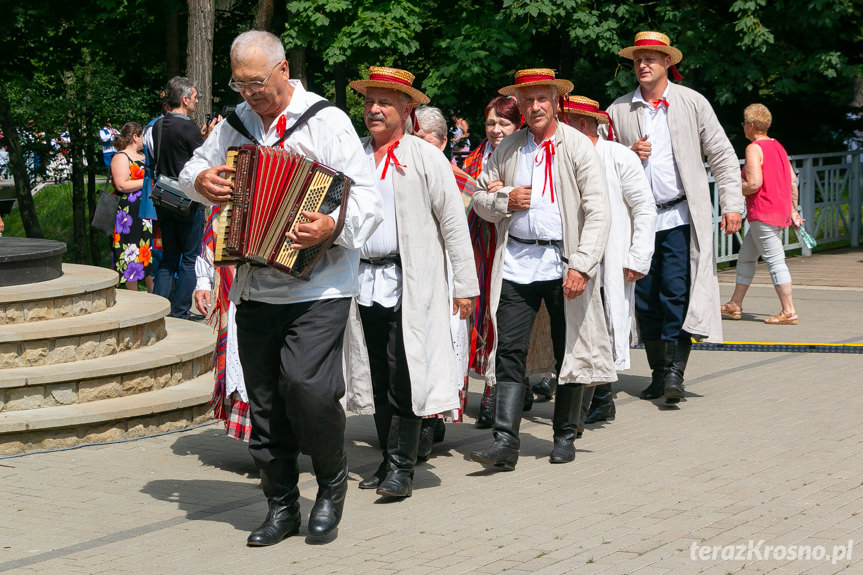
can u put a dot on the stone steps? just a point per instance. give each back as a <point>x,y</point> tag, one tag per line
<point>183,355</point>
<point>84,362</point>
<point>166,409</point>
<point>136,320</point>
<point>79,291</point>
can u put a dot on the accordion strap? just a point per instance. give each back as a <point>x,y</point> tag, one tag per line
<point>237,124</point>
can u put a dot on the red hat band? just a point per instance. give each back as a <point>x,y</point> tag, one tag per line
<point>528,78</point>
<point>388,78</point>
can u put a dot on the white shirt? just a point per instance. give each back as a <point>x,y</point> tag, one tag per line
<point>107,137</point>
<point>526,263</point>
<point>660,168</point>
<point>381,284</point>
<point>328,137</point>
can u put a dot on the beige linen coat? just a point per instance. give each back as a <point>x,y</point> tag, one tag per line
<point>695,134</point>
<point>431,223</point>
<point>582,196</point>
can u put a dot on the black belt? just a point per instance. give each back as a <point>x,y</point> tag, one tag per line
<point>384,260</point>
<point>541,243</point>
<point>536,242</point>
<point>668,204</point>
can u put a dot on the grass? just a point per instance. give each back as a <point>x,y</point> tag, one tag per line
<point>54,210</point>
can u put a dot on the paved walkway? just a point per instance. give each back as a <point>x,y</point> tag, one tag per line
<point>766,451</point>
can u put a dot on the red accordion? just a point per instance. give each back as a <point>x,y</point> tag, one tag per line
<point>272,187</point>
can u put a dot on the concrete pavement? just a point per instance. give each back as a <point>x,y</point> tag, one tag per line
<point>766,448</point>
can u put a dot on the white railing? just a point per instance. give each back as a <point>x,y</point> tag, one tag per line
<point>830,188</point>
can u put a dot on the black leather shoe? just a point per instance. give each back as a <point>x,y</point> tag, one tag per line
<point>378,476</point>
<point>564,449</point>
<point>402,449</point>
<point>544,390</point>
<point>282,521</point>
<point>327,511</point>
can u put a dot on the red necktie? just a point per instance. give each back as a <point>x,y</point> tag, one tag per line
<point>280,128</point>
<point>391,156</point>
<point>547,153</point>
<point>659,102</point>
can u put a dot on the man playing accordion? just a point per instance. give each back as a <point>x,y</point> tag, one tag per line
<point>290,331</point>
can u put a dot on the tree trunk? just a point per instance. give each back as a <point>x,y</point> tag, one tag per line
<point>297,62</point>
<point>199,53</point>
<point>341,86</point>
<point>18,168</point>
<point>81,242</point>
<point>96,237</point>
<point>172,44</point>
<point>263,15</point>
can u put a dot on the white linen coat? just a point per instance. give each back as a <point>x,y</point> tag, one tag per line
<point>582,196</point>
<point>431,224</point>
<point>695,134</point>
<point>630,243</point>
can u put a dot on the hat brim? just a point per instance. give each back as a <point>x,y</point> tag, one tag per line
<point>601,118</point>
<point>676,55</point>
<point>417,97</point>
<point>563,87</point>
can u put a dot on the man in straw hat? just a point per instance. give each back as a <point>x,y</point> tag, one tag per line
<point>544,188</point>
<point>402,365</point>
<point>672,128</point>
<point>290,331</point>
<point>630,243</point>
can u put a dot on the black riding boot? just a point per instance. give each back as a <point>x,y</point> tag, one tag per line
<point>486,409</point>
<point>279,482</point>
<point>332,488</point>
<point>655,350</point>
<point>402,448</point>
<point>378,476</point>
<point>509,402</point>
<point>426,438</point>
<point>676,357</point>
<point>567,408</point>
<point>601,407</point>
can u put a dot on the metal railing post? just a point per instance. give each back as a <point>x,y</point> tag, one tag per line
<point>807,201</point>
<point>855,198</point>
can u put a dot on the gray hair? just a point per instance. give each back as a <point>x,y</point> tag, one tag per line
<point>268,43</point>
<point>431,121</point>
<point>178,87</point>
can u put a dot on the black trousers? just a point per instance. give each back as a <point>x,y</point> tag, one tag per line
<point>292,363</point>
<point>516,312</point>
<point>391,380</point>
<point>662,296</point>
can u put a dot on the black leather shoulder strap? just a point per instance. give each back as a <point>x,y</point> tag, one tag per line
<point>235,122</point>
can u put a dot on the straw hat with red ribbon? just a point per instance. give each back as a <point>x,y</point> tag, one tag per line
<point>587,107</point>
<point>394,79</point>
<point>657,42</point>
<point>537,77</point>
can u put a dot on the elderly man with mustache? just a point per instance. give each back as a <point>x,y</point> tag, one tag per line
<point>401,359</point>
<point>544,188</point>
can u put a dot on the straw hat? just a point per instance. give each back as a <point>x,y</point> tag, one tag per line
<point>393,78</point>
<point>585,107</point>
<point>537,77</point>
<point>652,41</point>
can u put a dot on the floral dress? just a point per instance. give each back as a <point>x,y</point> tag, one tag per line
<point>133,236</point>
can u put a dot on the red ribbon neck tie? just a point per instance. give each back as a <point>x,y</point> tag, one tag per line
<point>281,123</point>
<point>546,153</point>
<point>391,156</point>
<point>657,103</point>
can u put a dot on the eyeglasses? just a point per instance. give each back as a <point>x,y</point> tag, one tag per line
<point>253,86</point>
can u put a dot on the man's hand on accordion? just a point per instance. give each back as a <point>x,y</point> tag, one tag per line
<point>213,186</point>
<point>317,229</point>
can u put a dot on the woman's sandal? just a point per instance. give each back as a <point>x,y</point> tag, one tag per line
<point>731,311</point>
<point>782,318</point>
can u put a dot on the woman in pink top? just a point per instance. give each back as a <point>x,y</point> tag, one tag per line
<point>770,188</point>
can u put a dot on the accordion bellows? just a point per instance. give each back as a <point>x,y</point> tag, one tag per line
<point>272,187</point>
